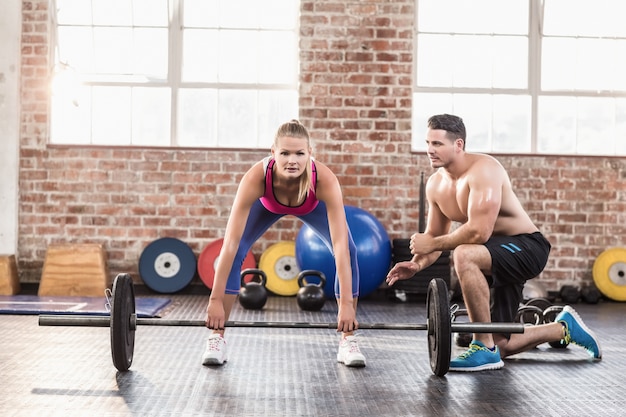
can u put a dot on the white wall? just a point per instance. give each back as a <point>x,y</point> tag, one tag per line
<point>10,31</point>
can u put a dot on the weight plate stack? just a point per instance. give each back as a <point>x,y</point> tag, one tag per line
<point>167,265</point>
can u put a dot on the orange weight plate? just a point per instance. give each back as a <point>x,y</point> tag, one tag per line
<point>609,273</point>
<point>279,264</point>
<point>207,261</point>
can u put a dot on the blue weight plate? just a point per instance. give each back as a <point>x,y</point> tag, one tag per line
<point>167,265</point>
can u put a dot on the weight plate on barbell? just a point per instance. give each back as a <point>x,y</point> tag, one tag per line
<point>122,312</point>
<point>207,262</point>
<point>439,326</point>
<point>279,263</point>
<point>609,273</point>
<point>167,265</point>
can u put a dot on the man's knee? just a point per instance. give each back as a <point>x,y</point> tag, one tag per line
<point>470,258</point>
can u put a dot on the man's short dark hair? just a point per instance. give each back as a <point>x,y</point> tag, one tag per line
<point>453,125</point>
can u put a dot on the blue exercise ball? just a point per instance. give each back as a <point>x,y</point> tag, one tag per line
<point>373,252</point>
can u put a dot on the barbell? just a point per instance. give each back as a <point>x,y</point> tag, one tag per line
<point>123,322</point>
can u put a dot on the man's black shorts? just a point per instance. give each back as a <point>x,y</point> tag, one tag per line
<point>514,260</point>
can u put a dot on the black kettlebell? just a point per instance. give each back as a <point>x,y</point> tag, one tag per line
<point>310,297</point>
<point>253,295</point>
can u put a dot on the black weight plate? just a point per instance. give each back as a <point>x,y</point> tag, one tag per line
<point>439,326</point>
<point>540,302</point>
<point>529,314</point>
<point>122,333</point>
<point>167,265</point>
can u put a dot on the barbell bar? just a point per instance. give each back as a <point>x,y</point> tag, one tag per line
<point>123,322</point>
<point>67,320</point>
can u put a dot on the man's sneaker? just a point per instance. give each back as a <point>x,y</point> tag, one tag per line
<point>577,332</point>
<point>215,353</point>
<point>349,353</point>
<point>477,358</point>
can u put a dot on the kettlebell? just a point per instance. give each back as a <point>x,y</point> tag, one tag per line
<point>253,295</point>
<point>310,297</point>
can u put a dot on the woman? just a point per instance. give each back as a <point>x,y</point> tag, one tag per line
<point>287,182</point>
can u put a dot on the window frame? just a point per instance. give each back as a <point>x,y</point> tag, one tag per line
<point>174,82</point>
<point>533,90</point>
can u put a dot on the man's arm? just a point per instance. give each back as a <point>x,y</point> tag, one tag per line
<point>483,207</point>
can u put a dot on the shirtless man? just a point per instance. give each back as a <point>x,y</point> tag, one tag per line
<point>497,246</point>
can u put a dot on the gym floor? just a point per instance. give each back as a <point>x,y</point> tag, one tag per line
<point>67,371</point>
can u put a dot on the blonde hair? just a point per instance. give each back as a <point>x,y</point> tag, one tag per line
<point>295,129</point>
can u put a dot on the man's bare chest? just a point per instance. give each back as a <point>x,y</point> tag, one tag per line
<point>452,199</point>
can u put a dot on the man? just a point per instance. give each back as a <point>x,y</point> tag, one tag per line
<point>496,246</point>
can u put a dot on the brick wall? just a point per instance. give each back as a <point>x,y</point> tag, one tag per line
<point>356,64</point>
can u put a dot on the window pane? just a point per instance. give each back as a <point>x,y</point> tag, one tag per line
<point>476,16</point>
<point>150,53</point>
<point>73,12</point>
<point>71,115</point>
<point>112,12</point>
<point>279,14</point>
<point>111,115</point>
<point>238,58</point>
<point>598,18</point>
<point>584,64</point>
<point>151,116</point>
<point>275,108</point>
<point>113,50</point>
<point>511,124</point>
<point>277,58</point>
<point>620,126</point>
<point>510,61</point>
<point>239,14</point>
<point>197,117</point>
<point>472,61</point>
<point>595,126</point>
<point>200,13</point>
<point>558,63</point>
<point>76,48</point>
<point>199,50</point>
<point>150,13</point>
<point>237,119</point>
<point>435,66</point>
<point>557,125</point>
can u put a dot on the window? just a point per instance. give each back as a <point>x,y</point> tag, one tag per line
<point>193,73</point>
<point>524,78</point>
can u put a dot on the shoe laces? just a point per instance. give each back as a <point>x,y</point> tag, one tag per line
<point>214,343</point>
<point>568,339</point>
<point>353,346</point>
<point>473,348</point>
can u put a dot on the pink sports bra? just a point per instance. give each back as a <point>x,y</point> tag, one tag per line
<point>269,199</point>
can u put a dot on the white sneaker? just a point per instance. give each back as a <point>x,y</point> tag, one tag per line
<point>349,353</point>
<point>215,353</point>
